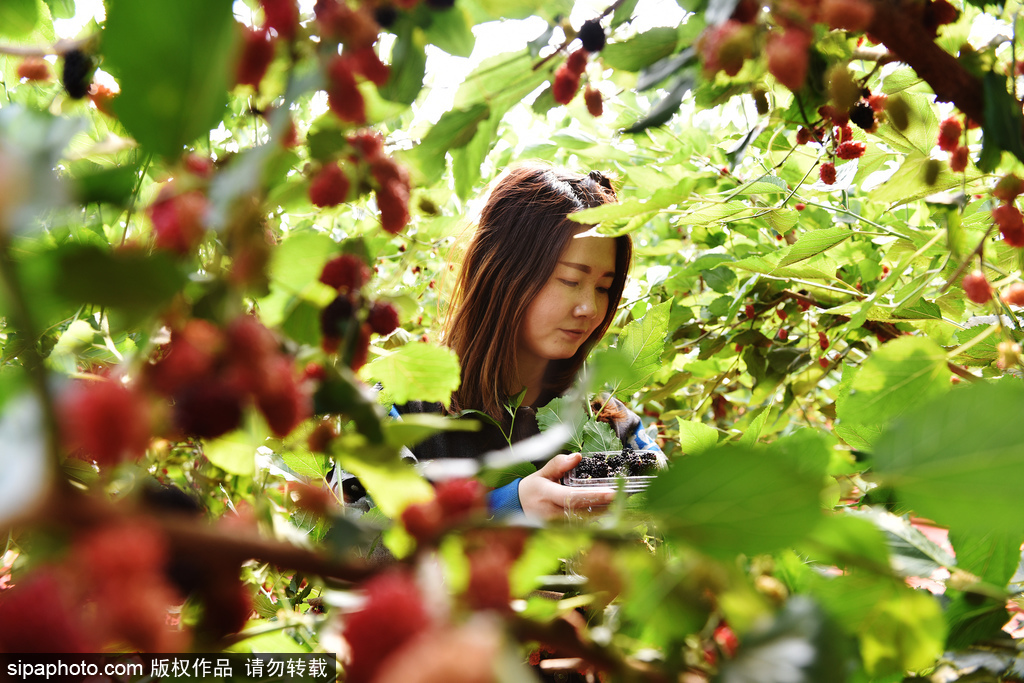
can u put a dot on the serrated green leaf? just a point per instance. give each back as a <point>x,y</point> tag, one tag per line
<point>643,341</point>
<point>421,372</point>
<point>696,437</point>
<point>900,374</point>
<point>299,259</point>
<point>814,242</point>
<point>236,452</point>
<point>308,464</point>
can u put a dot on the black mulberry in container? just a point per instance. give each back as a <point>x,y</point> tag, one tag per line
<point>605,469</point>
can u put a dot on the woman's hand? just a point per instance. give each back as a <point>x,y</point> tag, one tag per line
<point>543,496</point>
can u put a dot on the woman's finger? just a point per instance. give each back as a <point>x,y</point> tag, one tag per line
<point>557,466</point>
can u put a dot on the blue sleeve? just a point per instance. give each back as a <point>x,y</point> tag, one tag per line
<point>504,502</point>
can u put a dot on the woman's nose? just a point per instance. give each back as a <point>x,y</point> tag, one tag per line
<point>585,306</point>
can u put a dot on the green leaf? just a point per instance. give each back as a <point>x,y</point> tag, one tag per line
<point>1003,123</point>
<point>415,427</point>
<point>113,185</point>
<point>908,184</point>
<point>127,280</point>
<point>815,242</point>
<point>907,633</point>
<point>696,437</point>
<point>392,483</point>
<point>911,553</point>
<point>61,9</point>
<point>449,30</point>
<point>408,65</point>
<point>943,455</point>
<point>846,541</point>
<point>766,184</point>
<point>422,372</point>
<point>736,499</point>
<point>235,453</point>
<point>299,259</point>
<point>18,17</point>
<point>643,341</point>
<point>455,129</point>
<point>753,432</point>
<point>641,50</point>
<point>973,618</point>
<point>664,108</point>
<point>623,13</point>
<point>564,410</point>
<point>308,464</point>
<point>661,199</point>
<point>598,437</point>
<point>172,59</point>
<point>900,374</point>
<point>990,556</point>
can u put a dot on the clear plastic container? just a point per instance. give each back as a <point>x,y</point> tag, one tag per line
<point>629,483</point>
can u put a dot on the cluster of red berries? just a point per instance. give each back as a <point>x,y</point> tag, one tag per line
<point>491,554</point>
<point>567,76</point>
<point>211,375</point>
<point>110,589</point>
<point>355,27</point>
<point>330,185</point>
<point>455,501</point>
<point>41,613</point>
<point>104,420</point>
<point>341,330</point>
<point>123,566</point>
<point>280,21</point>
<point>343,96</point>
<point>179,218</point>
<point>950,131</point>
<point>393,614</point>
<point>726,46</point>
<point>1007,216</point>
<point>788,57</point>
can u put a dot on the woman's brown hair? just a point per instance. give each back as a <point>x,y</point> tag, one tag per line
<point>522,232</point>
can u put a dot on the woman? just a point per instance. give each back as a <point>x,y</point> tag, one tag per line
<point>534,296</point>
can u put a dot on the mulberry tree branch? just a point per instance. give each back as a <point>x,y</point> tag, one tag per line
<point>901,30</point>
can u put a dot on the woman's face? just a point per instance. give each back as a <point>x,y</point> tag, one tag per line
<point>570,306</point>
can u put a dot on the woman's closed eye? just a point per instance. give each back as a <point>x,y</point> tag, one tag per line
<point>568,283</point>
